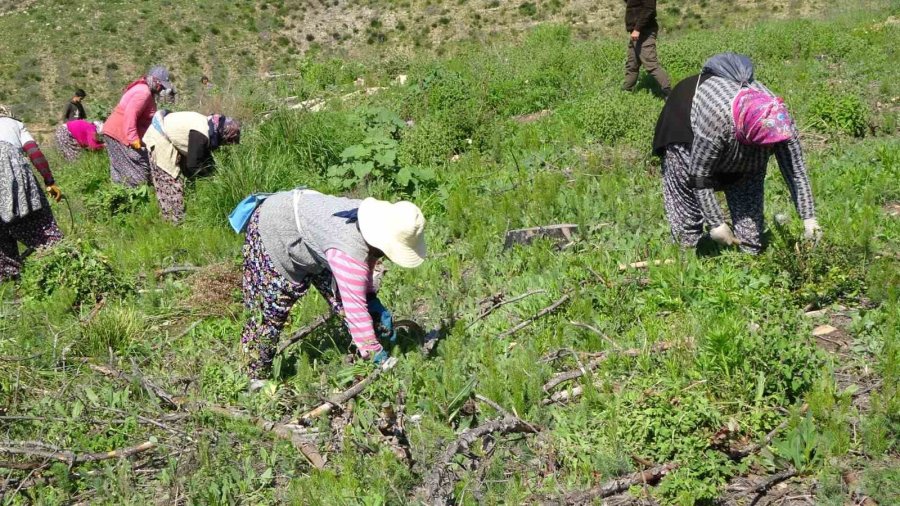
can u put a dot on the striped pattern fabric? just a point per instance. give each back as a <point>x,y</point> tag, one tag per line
<point>354,280</point>
<point>716,150</point>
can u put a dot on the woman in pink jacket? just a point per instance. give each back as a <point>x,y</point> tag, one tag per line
<point>129,121</point>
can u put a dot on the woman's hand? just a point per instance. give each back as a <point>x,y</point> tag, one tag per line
<point>723,235</point>
<point>54,192</point>
<point>136,144</point>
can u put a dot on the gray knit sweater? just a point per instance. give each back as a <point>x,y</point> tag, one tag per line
<point>297,253</point>
<point>716,150</point>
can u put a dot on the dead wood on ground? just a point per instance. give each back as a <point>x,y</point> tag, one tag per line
<point>595,363</point>
<point>71,458</point>
<point>305,331</point>
<point>543,312</point>
<point>437,488</point>
<point>617,486</point>
<point>346,395</point>
<point>561,233</point>
<point>499,301</point>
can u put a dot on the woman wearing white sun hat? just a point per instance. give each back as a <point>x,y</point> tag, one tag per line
<point>300,238</point>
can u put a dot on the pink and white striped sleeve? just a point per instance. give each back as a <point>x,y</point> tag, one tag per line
<point>353,278</point>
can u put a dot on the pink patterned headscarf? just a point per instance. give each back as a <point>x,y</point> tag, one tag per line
<point>760,119</point>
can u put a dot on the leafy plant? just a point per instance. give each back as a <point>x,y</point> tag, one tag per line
<point>77,265</point>
<point>833,111</point>
<point>375,157</point>
<point>115,200</point>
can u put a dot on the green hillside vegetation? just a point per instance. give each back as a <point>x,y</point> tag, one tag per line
<point>51,48</point>
<point>486,137</point>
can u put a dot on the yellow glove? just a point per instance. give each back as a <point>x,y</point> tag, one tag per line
<point>54,192</point>
<point>136,144</point>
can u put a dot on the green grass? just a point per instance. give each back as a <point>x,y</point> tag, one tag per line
<point>743,353</point>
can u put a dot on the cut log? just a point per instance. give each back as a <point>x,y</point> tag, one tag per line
<point>66,456</point>
<point>562,234</point>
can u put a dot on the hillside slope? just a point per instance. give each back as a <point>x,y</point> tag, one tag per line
<point>51,47</point>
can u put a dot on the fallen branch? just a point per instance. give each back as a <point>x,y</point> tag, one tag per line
<point>175,269</point>
<point>484,314</point>
<point>561,233</point>
<point>595,363</point>
<point>305,331</point>
<point>761,489</point>
<point>644,264</point>
<point>649,477</point>
<point>752,449</point>
<point>66,456</point>
<point>851,479</point>
<point>151,388</point>
<point>284,431</point>
<point>346,395</point>
<point>543,312</point>
<point>597,331</point>
<point>437,489</point>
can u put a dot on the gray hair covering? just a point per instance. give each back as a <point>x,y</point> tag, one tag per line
<point>160,75</point>
<point>737,67</point>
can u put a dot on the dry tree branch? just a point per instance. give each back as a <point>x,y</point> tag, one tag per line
<point>346,395</point>
<point>305,331</point>
<point>595,363</point>
<point>484,314</point>
<point>616,486</point>
<point>764,487</point>
<point>284,431</point>
<point>752,449</point>
<point>543,312</point>
<point>175,269</point>
<point>67,456</point>
<point>437,488</point>
<point>151,388</point>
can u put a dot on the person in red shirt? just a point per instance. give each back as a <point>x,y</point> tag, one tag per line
<point>129,164</point>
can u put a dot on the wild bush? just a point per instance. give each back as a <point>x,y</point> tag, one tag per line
<point>838,112</point>
<point>375,158</point>
<point>76,265</point>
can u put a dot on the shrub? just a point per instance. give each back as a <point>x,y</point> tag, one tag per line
<point>115,200</point>
<point>616,117</point>
<point>839,112</point>
<point>376,156</point>
<point>75,265</point>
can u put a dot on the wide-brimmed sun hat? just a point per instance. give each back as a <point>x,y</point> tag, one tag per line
<point>396,229</point>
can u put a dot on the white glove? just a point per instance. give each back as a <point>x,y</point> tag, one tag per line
<point>722,235</point>
<point>811,229</point>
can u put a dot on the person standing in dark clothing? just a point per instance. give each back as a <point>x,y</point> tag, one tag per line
<point>640,22</point>
<point>75,110</point>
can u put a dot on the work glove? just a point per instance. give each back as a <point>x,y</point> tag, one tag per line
<point>380,357</point>
<point>54,192</point>
<point>811,230</point>
<point>723,235</point>
<point>136,144</point>
<point>383,320</point>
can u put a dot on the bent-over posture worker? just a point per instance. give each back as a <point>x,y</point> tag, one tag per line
<point>302,237</point>
<point>716,133</point>
<point>181,145</point>
<point>25,214</point>
<point>127,124</point>
<point>77,135</point>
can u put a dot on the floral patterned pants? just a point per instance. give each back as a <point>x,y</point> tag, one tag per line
<point>169,193</point>
<point>36,230</point>
<point>268,298</point>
